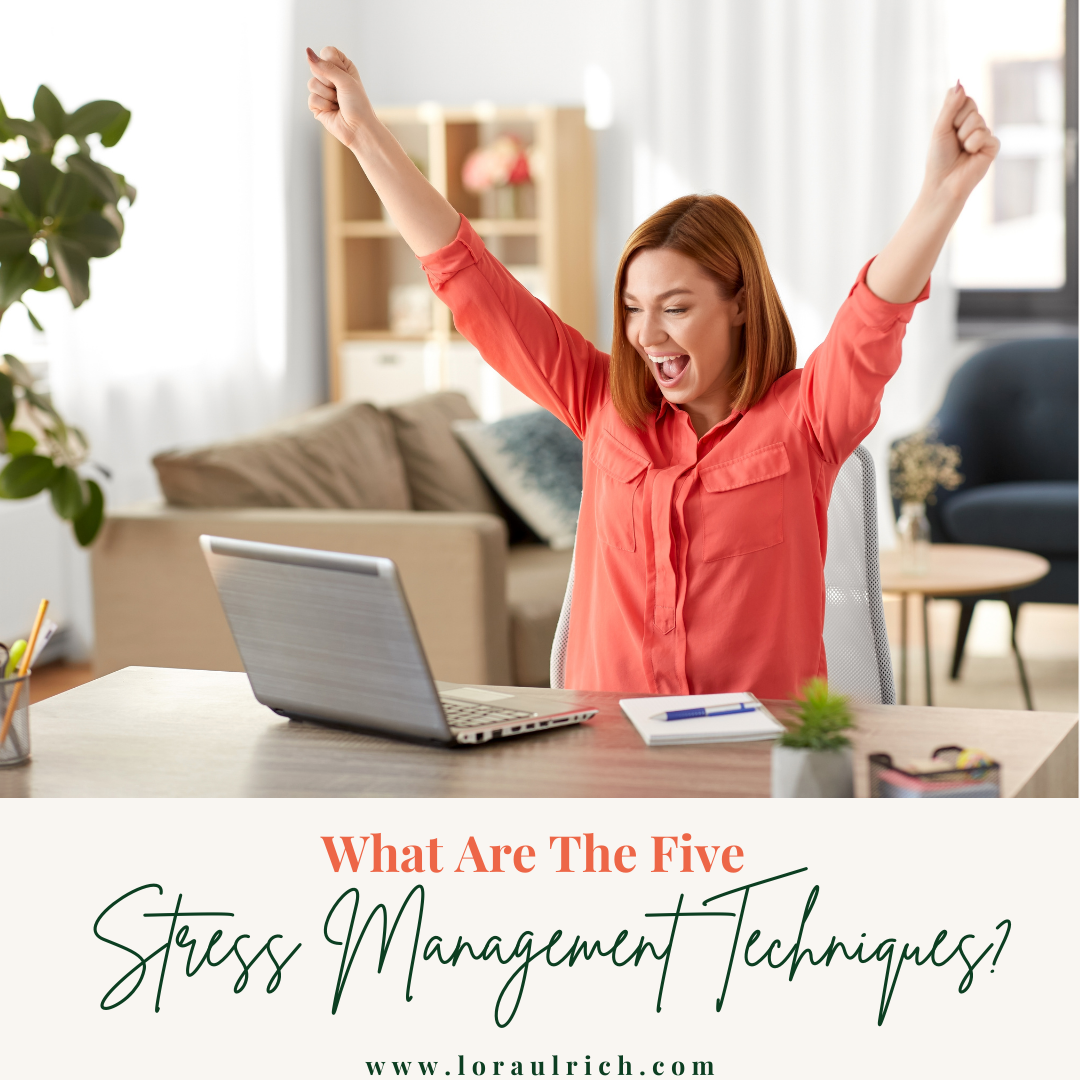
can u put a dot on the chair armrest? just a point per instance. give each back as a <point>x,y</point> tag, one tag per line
<point>155,604</point>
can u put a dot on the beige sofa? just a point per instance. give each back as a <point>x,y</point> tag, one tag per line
<point>486,610</point>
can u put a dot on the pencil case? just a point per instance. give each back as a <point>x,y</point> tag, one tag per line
<point>947,780</point>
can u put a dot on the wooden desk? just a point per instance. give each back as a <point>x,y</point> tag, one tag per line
<point>960,570</point>
<point>145,732</point>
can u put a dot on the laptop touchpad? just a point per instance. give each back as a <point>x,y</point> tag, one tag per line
<point>475,694</point>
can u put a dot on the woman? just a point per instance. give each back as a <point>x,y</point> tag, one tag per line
<point>709,460</point>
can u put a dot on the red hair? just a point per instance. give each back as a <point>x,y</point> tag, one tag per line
<point>716,234</point>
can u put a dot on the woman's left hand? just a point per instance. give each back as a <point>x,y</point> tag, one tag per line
<point>961,148</point>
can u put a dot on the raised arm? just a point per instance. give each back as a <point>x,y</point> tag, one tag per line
<point>961,150</point>
<point>516,334</point>
<point>336,96</point>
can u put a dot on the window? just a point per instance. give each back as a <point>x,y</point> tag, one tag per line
<point>1013,250</point>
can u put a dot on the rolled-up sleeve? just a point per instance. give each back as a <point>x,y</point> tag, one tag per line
<point>844,379</point>
<point>520,337</point>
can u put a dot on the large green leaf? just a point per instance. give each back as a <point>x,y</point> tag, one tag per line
<point>19,372</point>
<point>47,284</point>
<point>15,237</point>
<point>15,208</point>
<point>6,134</point>
<point>113,217</point>
<point>20,443</point>
<point>99,116</point>
<point>36,134</point>
<point>91,232</point>
<point>38,178</point>
<point>66,490</point>
<point>7,399</point>
<point>115,131</point>
<point>49,111</point>
<point>89,521</point>
<point>72,264</point>
<point>26,476</point>
<point>17,274</point>
<point>43,403</point>
<point>104,181</point>
<point>71,198</point>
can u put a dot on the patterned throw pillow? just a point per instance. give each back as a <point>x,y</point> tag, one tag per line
<point>534,462</point>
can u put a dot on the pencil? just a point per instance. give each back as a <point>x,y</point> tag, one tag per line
<point>24,667</point>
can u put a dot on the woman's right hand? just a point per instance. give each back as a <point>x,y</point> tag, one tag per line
<point>336,96</point>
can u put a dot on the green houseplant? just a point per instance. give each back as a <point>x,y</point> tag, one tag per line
<point>61,212</point>
<point>813,758</point>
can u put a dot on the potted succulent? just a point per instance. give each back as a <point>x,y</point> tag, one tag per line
<point>813,759</point>
<point>58,210</point>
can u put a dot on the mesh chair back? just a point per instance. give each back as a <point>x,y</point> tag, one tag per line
<point>562,634</point>
<point>856,646</point>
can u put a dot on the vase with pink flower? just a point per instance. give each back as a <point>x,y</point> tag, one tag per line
<point>503,167</point>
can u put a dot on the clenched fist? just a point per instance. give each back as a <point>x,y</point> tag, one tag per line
<point>336,96</point>
<point>961,148</point>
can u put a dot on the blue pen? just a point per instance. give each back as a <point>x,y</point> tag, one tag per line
<point>712,710</point>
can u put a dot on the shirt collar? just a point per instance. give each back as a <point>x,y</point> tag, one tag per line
<point>667,407</point>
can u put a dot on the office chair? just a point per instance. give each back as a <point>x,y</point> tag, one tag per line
<point>856,645</point>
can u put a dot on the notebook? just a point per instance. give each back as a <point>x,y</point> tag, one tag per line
<point>741,727</point>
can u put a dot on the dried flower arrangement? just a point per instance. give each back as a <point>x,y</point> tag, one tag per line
<point>919,464</point>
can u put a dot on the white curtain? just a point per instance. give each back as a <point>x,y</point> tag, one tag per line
<point>814,117</point>
<point>208,321</point>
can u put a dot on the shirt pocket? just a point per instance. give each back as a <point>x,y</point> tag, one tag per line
<point>742,503</point>
<point>619,477</point>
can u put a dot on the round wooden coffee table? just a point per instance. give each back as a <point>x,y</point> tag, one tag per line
<point>959,570</point>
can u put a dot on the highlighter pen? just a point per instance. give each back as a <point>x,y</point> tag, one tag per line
<point>712,710</point>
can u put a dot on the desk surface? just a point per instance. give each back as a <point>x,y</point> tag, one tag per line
<point>145,732</point>
<point>964,570</point>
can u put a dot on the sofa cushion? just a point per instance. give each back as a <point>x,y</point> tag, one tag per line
<point>332,457</point>
<point>441,476</point>
<point>1038,515</point>
<point>536,579</point>
<point>534,462</point>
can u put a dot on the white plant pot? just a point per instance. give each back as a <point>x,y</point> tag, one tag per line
<point>811,774</point>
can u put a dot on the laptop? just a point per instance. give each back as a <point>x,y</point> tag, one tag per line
<point>328,637</point>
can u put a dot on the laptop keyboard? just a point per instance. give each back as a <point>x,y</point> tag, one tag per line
<point>466,714</point>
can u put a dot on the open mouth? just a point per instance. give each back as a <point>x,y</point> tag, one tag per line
<point>669,368</point>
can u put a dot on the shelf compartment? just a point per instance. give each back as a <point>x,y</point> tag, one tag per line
<point>386,291</point>
<point>461,140</point>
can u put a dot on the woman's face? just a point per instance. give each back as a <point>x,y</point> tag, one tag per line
<point>685,330</point>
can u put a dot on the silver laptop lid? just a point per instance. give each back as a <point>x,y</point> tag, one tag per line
<point>326,635</point>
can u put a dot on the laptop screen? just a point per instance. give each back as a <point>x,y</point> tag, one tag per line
<point>326,635</point>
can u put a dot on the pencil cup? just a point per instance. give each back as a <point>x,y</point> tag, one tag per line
<point>15,749</point>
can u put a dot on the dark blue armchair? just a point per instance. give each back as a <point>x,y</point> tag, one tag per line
<point>1012,410</point>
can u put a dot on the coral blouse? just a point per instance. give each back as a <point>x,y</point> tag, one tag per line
<point>700,562</point>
